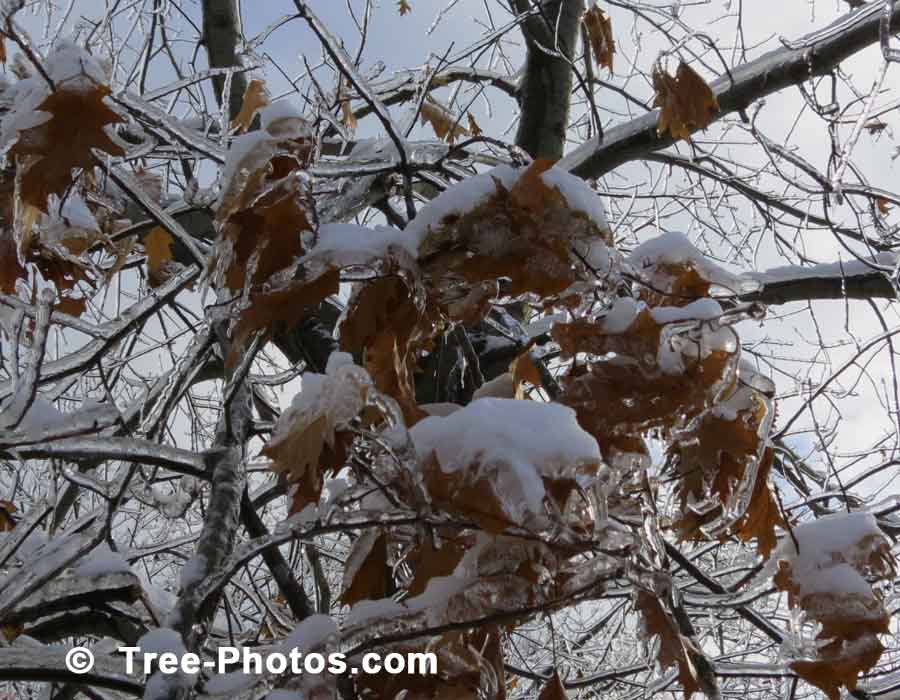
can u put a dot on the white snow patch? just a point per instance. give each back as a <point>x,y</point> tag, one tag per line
<point>194,570</point>
<point>701,310</point>
<point>284,120</point>
<point>578,195</point>
<point>674,248</point>
<point>313,632</point>
<point>849,268</point>
<point>349,244</point>
<point>460,198</point>
<point>366,610</point>
<point>832,552</point>
<point>522,441</point>
<point>161,640</point>
<point>339,395</point>
<point>101,561</point>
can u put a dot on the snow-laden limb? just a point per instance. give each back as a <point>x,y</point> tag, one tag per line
<point>43,423</point>
<point>113,448</point>
<point>219,528</point>
<point>48,664</point>
<point>853,279</point>
<point>47,562</point>
<point>72,592</point>
<point>747,83</point>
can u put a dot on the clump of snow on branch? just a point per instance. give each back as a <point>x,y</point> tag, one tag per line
<point>518,442</point>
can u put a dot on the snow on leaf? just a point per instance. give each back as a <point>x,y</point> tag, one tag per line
<point>663,371</point>
<point>312,436</point>
<point>54,244</point>
<point>675,273</point>
<point>403,7</point>
<point>366,569</point>
<point>599,27</point>
<point>265,214</point>
<point>517,224</point>
<point>827,574</point>
<point>687,103</point>
<point>497,475</point>
<point>78,118</point>
<point>255,98</point>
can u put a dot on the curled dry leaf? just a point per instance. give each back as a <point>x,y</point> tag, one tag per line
<point>286,305</point>
<point>660,375</point>
<point>265,210</point>
<point>255,98</point>
<point>474,129</point>
<point>446,126</point>
<point>672,645</point>
<point>312,436</point>
<point>687,103</point>
<point>430,561</point>
<point>723,456</point>
<point>384,323</point>
<point>525,371</point>
<point>158,248</point>
<point>599,27</point>
<point>58,257</point>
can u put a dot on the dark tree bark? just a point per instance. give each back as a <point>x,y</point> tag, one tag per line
<point>547,85</point>
<point>221,34</point>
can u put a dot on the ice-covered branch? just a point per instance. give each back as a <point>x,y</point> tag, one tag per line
<point>814,55</point>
